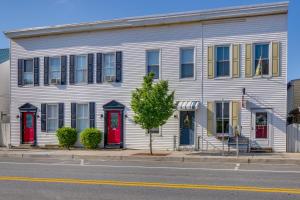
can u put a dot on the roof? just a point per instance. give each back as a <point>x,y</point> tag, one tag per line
<point>4,55</point>
<point>292,82</point>
<point>154,20</point>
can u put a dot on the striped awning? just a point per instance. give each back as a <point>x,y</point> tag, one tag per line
<point>188,105</point>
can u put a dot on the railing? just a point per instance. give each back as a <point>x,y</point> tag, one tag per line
<point>207,144</point>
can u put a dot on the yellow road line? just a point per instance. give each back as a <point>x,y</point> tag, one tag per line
<point>152,184</point>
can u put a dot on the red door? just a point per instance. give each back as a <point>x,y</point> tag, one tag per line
<point>28,127</point>
<point>114,127</point>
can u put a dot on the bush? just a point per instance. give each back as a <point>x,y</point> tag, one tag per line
<point>66,136</point>
<point>90,138</point>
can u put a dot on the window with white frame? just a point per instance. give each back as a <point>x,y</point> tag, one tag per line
<point>82,117</point>
<point>222,61</point>
<point>154,130</point>
<point>109,67</point>
<point>222,117</point>
<point>54,70</point>
<point>153,62</point>
<point>261,52</point>
<point>28,72</point>
<point>52,117</point>
<point>187,63</point>
<point>81,69</point>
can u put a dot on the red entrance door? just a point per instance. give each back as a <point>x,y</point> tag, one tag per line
<point>28,127</point>
<point>114,127</point>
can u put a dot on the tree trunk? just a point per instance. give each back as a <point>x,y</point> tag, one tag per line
<point>150,143</point>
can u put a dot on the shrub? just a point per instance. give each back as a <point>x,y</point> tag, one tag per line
<point>90,138</point>
<point>66,136</point>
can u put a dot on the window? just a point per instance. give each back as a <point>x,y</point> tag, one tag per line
<point>187,63</point>
<point>261,125</point>
<point>28,72</point>
<point>54,70</point>
<point>81,69</point>
<point>261,59</point>
<point>222,118</point>
<point>82,117</point>
<point>52,117</point>
<point>153,62</point>
<point>223,61</point>
<point>109,67</point>
<point>154,130</point>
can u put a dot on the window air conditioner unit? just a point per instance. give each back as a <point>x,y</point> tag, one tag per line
<point>110,78</point>
<point>55,81</point>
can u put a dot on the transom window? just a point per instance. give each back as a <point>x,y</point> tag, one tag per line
<point>28,72</point>
<point>81,69</point>
<point>153,62</point>
<point>109,67</point>
<point>187,63</point>
<point>54,70</point>
<point>261,59</point>
<point>52,117</point>
<point>222,117</point>
<point>223,61</point>
<point>82,117</point>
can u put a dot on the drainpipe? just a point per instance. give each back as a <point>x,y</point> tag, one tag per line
<point>202,76</point>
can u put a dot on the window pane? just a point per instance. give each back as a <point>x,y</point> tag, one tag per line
<point>114,120</point>
<point>223,64</point>
<point>219,53</point>
<point>109,64</point>
<point>222,124</point>
<point>29,121</point>
<point>187,56</point>
<point>155,70</point>
<point>82,124</point>
<point>154,130</point>
<point>52,125</point>
<point>52,111</point>
<point>153,57</point>
<point>28,78</point>
<point>80,69</point>
<point>226,53</point>
<point>187,70</point>
<point>28,65</point>
<point>54,68</point>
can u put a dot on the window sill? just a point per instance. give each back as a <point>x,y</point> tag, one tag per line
<point>187,79</point>
<point>223,78</point>
<point>262,77</point>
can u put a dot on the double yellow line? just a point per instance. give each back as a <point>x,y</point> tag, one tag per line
<point>152,184</point>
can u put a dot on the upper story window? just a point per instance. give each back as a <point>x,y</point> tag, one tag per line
<point>54,70</point>
<point>153,62</point>
<point>261,59</point>
<point>187,63</point>
<point>82,116</point>
<point>222,117</point>
<point>222,61</point>
<point>109,67</point>
<point>28,72</point>
<point>52,117</point>
<point>81,69</point>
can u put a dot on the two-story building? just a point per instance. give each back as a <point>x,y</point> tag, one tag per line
<point>228,68</point>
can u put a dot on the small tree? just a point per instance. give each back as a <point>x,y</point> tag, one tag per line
<point>152,104</point>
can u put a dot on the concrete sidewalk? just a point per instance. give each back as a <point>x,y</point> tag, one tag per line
<point>141,155</point>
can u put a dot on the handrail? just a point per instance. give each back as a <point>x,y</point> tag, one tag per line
<point>207,143</point>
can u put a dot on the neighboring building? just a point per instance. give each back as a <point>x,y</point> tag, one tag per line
<point>293,101</point>
<point>82,75</point>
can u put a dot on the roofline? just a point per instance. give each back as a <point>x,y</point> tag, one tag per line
<point>154,20</point>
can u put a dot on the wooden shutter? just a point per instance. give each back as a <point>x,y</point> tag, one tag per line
<point>99,68</point>
<point>63,74</point>
<point>118,66</point>
<point>90,68</point>
<point>72,70</point>
<point>210,118</point>
<point>249,60</point>
<point>61,115</point>
<point>210,62</point>
<point>275,58</point>
<point>46,70</point>
<point>236,61</point>
<point>20,72</point>
<point>92,114</point>
<point>235,113</point>
<point>73,115</point>
<point>44,117</point>
<point>36,71</point>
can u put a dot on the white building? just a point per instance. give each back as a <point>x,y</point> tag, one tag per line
<point>82,75</point>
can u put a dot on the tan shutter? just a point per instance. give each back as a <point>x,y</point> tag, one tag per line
<point>235,115</point>
<point>275,58</point>
<point>248,64</point>
<point>236,61</point>
<point>210,118</point>
<point>210,62</point>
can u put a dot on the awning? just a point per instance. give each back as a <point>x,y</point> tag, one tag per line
<point>188,105</point>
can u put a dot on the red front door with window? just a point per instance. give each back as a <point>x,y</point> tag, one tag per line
<point>114,127</point>
<point>28,127</point>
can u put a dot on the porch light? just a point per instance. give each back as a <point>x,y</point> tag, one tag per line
<point>175,116</point>
<point>17,116</point>
<point>101,115</point>
<point>126,116</point>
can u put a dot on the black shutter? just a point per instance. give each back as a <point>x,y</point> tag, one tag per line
<point>63,77</point>
<point>61,115</point>
<point>46,70</point>
<point>99,68</point>
<point>72,70</point>
<point>92,114</point>
<point>73,115</point>
<point>90,68</point>
<point>118,66</point>
<point>36,62</point>
<point>20,72</point>
<point>44,117</point>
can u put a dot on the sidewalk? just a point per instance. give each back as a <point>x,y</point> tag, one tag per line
<point>141,155</point>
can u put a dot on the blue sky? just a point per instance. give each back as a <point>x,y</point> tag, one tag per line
<point>17,14</point>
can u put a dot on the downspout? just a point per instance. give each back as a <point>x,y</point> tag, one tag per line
<point>202,76</point>
<point>10,116</point>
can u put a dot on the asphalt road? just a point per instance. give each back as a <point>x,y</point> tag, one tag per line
<point>91,179</point>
